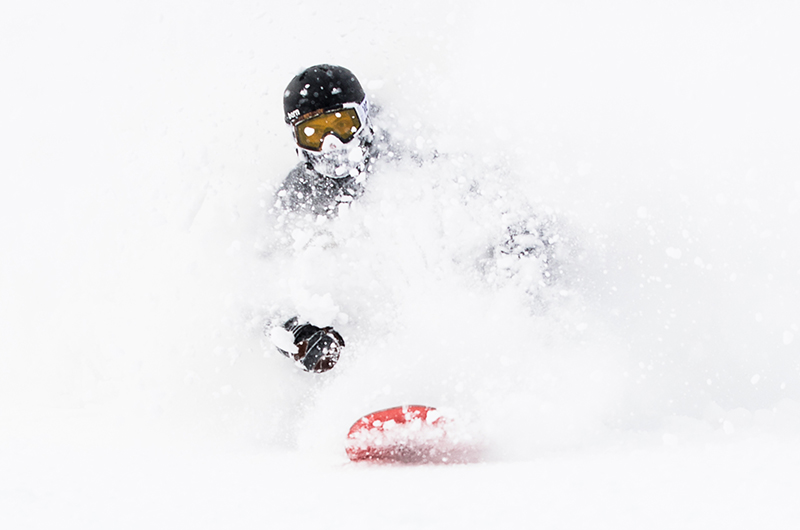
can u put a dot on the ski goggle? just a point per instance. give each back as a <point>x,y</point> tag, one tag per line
<point>343,123</point>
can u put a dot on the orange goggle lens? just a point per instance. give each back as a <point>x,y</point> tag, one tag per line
<point>343,123</point>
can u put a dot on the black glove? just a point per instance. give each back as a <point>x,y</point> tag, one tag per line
<point>317,348</point>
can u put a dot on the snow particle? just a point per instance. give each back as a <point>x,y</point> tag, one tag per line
<point>283,339</point>
<point>755,379</point>
<point>641,212</point>
<point>674,253</point>
<point>788,337</point>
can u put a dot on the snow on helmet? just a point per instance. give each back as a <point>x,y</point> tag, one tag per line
<point>329,115</point>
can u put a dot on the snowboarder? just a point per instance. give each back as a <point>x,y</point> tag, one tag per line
<point>329,115</point>
<point>338,145</point>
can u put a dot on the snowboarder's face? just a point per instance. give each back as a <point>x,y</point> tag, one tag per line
<point>336,142</point>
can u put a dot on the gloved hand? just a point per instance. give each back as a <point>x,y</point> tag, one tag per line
<point>318,349</point>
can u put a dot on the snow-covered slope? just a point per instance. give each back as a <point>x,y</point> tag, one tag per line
<point>659,386</point>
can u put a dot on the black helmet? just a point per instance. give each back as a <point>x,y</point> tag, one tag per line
<point>322,87</point>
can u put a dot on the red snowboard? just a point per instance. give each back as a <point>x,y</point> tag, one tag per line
<point>411,434</point>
